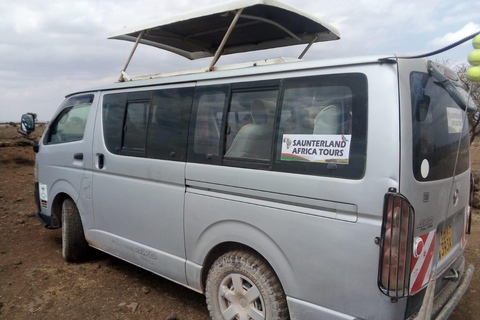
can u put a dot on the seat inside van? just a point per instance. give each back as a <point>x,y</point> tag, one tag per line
<point>254,139</point>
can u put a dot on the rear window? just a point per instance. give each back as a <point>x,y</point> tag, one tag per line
<point>439,124</point>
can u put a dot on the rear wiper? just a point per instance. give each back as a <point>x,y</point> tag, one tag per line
<point>448,79</point>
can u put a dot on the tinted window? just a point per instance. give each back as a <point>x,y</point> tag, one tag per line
<point>125,119</point>
<point>206,128</point>
<point>70,124</point>
<point>168,126</point>
<point>135,128</point>
<point>322,126</point>
<point>113,116</point>
<point>439,130</point>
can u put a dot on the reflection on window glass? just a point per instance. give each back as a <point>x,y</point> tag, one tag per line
<point>208,122</point>
<point>135,128</point>
<point>113,114</point>
<point>317,110</point>
<point>168,127</point>
<point>250,122</point>
<point>70,123</point>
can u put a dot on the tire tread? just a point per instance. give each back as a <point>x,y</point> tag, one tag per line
<point>250,262</point>
<point>74,244</point>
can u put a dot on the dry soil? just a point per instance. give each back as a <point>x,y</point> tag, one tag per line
<point>36,283</point>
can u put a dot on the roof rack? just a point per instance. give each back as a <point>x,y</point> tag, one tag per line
<point>234,27</point>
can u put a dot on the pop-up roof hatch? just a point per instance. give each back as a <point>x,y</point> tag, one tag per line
<point>233,27</point>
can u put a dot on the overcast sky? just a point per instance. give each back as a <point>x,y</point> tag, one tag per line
<point>50,48</point>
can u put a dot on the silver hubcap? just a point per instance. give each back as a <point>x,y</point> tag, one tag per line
<point>240,299</point>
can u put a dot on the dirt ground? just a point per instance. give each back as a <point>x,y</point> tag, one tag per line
<point>36,283</point>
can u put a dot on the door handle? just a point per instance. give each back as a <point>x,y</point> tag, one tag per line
<point>78,156</point>
<point>101,160</point>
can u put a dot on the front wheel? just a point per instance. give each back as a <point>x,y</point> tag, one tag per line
<point>241,285</point>
<point>74,245</point>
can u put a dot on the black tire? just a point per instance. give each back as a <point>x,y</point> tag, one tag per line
<point>74,245</point>
<point>257,288</point>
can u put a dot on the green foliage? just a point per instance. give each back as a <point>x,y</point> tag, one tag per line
<point>474,89</point>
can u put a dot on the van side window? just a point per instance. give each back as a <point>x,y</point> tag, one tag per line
<point>322,127</point>
<point>250,122</point>
<point>168,125</point>
<point>70,124</point>
<point>125,119</point>
<point>206,124</point>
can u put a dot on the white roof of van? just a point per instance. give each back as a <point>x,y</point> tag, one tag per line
<point>263,24</point>
<point>254,69</point>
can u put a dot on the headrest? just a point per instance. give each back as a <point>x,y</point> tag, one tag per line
<point>306,116</point>
<point>328,121</point>
<point>263,111</point>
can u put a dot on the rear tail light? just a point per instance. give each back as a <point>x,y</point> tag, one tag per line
<point>396,246</point>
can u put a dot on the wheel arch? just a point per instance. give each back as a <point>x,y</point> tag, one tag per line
<point>62,190</point>
<point>57,208</point>
<point>258,242</point>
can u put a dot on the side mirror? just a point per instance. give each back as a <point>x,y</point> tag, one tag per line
<point>28,123</point>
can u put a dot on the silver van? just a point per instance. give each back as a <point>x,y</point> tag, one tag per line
<point>282,189</point>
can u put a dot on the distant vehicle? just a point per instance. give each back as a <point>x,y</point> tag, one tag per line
<point>332,189</point>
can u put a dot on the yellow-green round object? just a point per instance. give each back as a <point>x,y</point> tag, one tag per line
<point>473,74</point>
<point>476,42</point>
<point>474,57</point>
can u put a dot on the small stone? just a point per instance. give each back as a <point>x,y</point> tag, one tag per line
<point>172,317</point>
<point>122,304</point>
<point>476,200</point>
<point>133,306</point>
<point>82,271</point>
<point>146,290</point>
<point>19,199</point>
<point>17,263</point>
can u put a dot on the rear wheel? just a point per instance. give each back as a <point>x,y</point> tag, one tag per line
<point>241,285</point>
<point>74,245</point>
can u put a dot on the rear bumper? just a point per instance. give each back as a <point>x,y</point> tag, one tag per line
<point>454,299</point>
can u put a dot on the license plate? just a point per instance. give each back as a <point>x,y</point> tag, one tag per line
<point>445,241</point>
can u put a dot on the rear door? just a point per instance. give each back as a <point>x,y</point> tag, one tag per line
<point>139,184</point>
<point>435,173</point>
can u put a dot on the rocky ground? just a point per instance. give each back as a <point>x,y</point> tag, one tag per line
<point>35,282</point>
